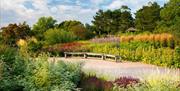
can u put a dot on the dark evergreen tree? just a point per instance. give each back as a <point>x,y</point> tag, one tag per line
<point>170,16</point>
<point>111,22</point>
<point>147,17</point>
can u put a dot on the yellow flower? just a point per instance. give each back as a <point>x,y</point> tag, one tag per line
<point>21,42</point>
<point>34,39</point>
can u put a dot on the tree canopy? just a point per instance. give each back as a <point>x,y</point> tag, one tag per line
<point>147,17</point>
<point>13,32</point>
<point>170,16</point>
<point>76,27</point>
<point>42,25</point>
<point>113,21</point>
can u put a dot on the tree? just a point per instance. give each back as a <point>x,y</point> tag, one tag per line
<point>111,22</point>
<point>67,25</point>
<point>127,20</point>
<point>75,27</point>
<point>147,17</point>
<point>13,32</point>
<point>170,16</point>
<point>102,22</point>
<point>43,24</point>
<point>54,36</point>
<point>91,29</point>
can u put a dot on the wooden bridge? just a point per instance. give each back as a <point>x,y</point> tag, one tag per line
<point>87,54</point>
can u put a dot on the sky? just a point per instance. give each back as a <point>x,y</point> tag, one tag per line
<point>17,11</point>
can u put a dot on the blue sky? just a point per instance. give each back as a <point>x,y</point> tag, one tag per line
<point>16,11</point>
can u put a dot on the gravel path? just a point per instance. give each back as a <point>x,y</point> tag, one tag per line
<point>115,70</point>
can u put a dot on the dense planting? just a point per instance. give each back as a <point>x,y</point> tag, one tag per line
<point>153,83</point>
<point>21,73</point>
<point>158,49</point>
<point>59,49</point>
<point>152,37</point>
<point>54,36</point>
<point>157,40</point>
<point>139,51</point>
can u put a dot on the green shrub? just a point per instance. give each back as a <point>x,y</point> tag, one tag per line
<point>139,51</point>
<point>37,74</point>
<point>155,81</point>
<point>7,54</point>
<point>177,57</point>
<point>34,45</point>
<point>54,36</point>
<point>64,77</point>
<point>11,74</point>
<point>42,75</point>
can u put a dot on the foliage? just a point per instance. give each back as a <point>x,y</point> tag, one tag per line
<point>151,82</point>
<point>34,45</point>
<point>77,28</point>
<point>138,51</point>
<point>177,57</point>
<point>170,16</point>
<point>92,83</point>
<point>154,82</point>
<point>12,69</point>
<point>59,49</point>
<point>110,22</point>
<point>54,36</point>
<point>124,82</point>
<point>1,38</point>
<point>14,32</point>
<point>42,25</point>
<point>147,17</point>
<point>7,54</point>
<point>38,74</point>
<point>91,29</point>
<point>158,40</point>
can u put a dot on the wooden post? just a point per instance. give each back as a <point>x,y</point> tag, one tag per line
<point>85,55</point>
<point>65,55</point>
<point>103,57</point>
<point>116,58</point>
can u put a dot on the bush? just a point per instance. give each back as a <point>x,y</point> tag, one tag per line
<point>7,54</point>
<point>151,82</point>
<point>12,72</point>
<point>177,57</point>
<point>138,51</point>
<point>162,40</point>
<point>124,82</point>
<point>92,83</point>
<point>54,36</point>
<point>34,45</point>
<point>59,49</point>
<point>38,74</point>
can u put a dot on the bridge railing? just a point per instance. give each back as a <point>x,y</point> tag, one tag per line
<point>87,54</point>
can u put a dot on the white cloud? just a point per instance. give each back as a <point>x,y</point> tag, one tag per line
<point>71,12</point>
<point>97,2</point>
<point>14,11</point>
<point>115,4</point>
<point>23,13</point>
<point>41,8</point>
<point>133,4</point>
